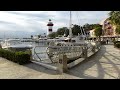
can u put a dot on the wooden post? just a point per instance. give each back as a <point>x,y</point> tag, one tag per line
<point>62,64</point>
<point>84,51</point>
<point>85,54</point>
<point>93,49</point>
<point>65,59</point>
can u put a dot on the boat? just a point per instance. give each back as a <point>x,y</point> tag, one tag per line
<point>80,39</point>
<point>14,44</point>
<point>62,44</point>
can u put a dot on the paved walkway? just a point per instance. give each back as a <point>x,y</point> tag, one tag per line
<point>103,65</point>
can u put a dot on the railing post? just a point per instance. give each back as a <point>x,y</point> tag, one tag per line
<point>62,64</point>
<point>98,45</point>
<point>86,54</point>
<point>65,68</point>
<point>84,51</point>
<point>93,49</point>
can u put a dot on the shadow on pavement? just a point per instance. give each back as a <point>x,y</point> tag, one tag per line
<point>40,68</point>
<point>80,69</point>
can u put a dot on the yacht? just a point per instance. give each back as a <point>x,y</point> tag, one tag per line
<point>15,44</point>
<point>42,53</point>
<point>78,40</point>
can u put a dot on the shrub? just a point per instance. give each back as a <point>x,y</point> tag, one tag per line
<point>11,56</point>
<point>22,57</point>
<point>113,40</point>
<point>117,44</point>
<point>103,42</point>
<point>18,57</point>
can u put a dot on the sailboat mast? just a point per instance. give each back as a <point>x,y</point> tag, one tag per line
<point>70,30</point>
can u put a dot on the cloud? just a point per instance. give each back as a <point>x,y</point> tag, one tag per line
<point>23,23</point>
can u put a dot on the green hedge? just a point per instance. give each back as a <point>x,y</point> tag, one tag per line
<point>103,42</point>
<point>117,44</point>
<point>18,57</point>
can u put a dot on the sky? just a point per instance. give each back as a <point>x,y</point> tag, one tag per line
<point>26,23</point>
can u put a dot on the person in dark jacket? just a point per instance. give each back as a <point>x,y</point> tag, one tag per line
<point>107,41</point>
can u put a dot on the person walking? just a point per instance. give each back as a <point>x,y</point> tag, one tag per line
<point>107,41</point>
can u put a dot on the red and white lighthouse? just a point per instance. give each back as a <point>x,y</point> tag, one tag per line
<point>50,25</point>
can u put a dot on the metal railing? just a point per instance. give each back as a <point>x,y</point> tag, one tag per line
<point>53,54</point>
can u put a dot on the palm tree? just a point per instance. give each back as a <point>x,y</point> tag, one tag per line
<point>118,29</point>
<point>98,32</point>
<point>115,17</point>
